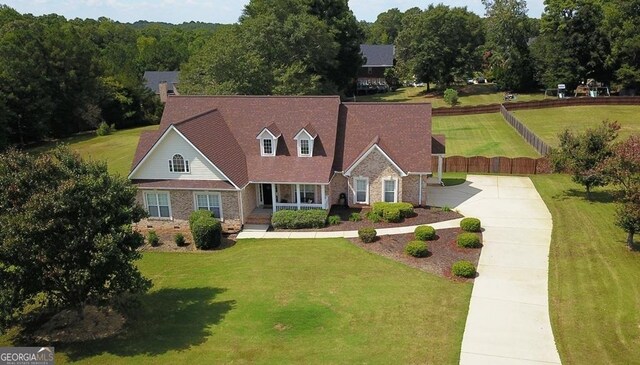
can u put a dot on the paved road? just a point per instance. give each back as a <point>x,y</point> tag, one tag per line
<point>508,321</point>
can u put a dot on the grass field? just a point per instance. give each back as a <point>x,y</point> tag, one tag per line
<point>116,149</point>
<point>548,123</point>
<point>286,302</point>
<point>481,135</point>
<point>469,95</point>
<point>593,287</point>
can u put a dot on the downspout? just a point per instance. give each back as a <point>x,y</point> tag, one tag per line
<point>241,207</point>
<point>420,193</point>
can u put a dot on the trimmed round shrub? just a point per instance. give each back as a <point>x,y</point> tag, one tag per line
<point>464,269</point>
<point>425,233</point>
<point>468,240</point>
<point>367,235</point>
<point>153,239</point>
<point>205,229</point>
<point>333,220</point>
<point>417,249</point>
<point>392,215</point>
<point>179,239</point>
<point>406,209</point>
<point>470,224</point>
<point>355,217</point>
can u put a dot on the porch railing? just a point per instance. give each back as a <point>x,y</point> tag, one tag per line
<point>303,206</point>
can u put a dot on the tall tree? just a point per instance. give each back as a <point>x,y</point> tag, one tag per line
<point>439,44</point>
<point>281,46</point>
<point>573,45</point>
<point>386,27</point>
<point>66,239</point>
<point>508,33</point>
<point>621,23</point>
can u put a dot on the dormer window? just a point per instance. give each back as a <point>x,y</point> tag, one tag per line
<point>267,147</point>
<point>178,164</point>
<point>269,140</point>
<point>305,139</point>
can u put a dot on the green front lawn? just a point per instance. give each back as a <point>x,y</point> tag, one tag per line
<point>481,135</point>
<point>283,302</point>
<point>594,293</point>
<point>548,123</point>
<point>116,149</point>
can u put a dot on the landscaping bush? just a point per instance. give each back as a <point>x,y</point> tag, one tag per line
<point>425,233</point>
<point>451,97</point>
<point>367,235</point>
<point>464,269</point>
<point>392,215</point>
<point>104,129</point>
<point>373,217</point>
<point>333,220</point>
<point>199,214</point>
<point>205,229</point>
<point>470,224</point>
<point>417,249</point>
<point>179,239</point>
<point>445,209</point>
<point>298,219</point>
<point>153,239</point>
<point>355,217</point>
<point>406,209</point>
<point>468,240</point>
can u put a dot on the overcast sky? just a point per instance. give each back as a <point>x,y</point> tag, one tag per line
<point>211,11</point>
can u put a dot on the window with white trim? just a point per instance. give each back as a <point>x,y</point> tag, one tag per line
<point>304,147</point>
<point>307,193</point>
<point>267,147</point>
<point>390,191</point>
<point>178,164</point>
<point>211,202</point>
<point>362,190</point>
<point>158,205</point>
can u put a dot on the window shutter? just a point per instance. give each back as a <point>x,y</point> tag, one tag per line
<point>186,165</point>
<point>170,166</point>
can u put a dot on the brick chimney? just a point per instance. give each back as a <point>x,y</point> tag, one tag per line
<point>163,89</point>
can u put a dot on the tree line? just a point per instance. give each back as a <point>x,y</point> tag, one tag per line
<point>575,40</point>
<point>59,76</point>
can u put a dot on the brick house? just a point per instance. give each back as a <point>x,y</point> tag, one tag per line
<point>236,155</point>
<point>377,59</point>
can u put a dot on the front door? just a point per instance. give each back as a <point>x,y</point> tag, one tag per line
<point>266,194</point>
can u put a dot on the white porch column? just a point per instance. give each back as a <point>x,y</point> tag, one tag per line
<point>440,160</point>
<point>273,196</point>
<point>323,194</point>
<point>298,195</point>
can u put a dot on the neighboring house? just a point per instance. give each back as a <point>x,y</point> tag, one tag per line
<point>377,59</point>
<point>163,83</point>
<point>235,155</point>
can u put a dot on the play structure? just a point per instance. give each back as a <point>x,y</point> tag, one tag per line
<point>592,89</point>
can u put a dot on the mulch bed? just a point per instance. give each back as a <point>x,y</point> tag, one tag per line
<point>168,245</point>
<point>426,215</point>
<point>443,252</point>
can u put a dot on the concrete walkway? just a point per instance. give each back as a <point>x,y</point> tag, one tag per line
<point>344,234</point>
<point>508,321</point>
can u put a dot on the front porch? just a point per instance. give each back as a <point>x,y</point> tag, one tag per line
<point>291,196</point>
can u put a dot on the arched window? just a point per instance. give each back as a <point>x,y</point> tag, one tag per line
<point>178,164</point>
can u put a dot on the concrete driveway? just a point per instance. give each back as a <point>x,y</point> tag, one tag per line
<point>508,321</point>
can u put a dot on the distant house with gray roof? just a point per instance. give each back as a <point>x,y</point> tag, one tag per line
<point>377,59</point>
<point>162,83</point>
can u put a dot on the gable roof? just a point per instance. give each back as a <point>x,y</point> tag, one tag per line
<point>403,132</point>
<point>154,78</point>
<point>224,129</point>
<point>378,55</point>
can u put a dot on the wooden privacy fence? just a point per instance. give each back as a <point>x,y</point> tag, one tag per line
<point>525,132</point>
<point>494,165</point>
<point>540,104</point>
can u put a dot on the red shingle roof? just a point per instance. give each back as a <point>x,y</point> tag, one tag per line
<point>224,129</point>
